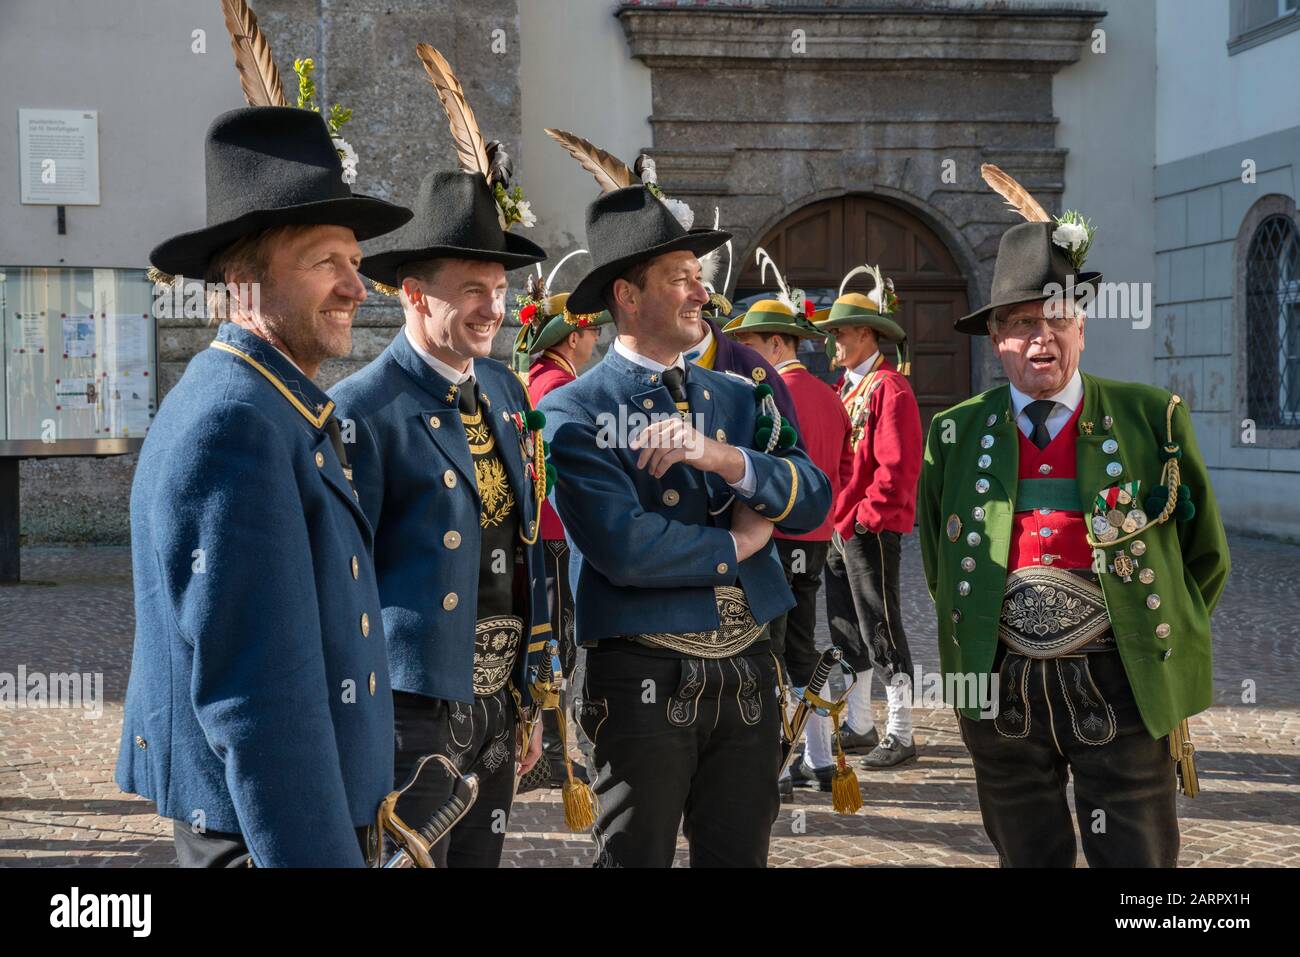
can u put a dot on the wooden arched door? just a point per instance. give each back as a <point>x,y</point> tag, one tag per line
<point>816,245</point>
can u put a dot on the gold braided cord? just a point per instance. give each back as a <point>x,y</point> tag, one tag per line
<point>539,473</point>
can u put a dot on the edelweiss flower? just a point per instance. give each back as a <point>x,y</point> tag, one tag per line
<point>525,213</point>
<point>683,213</point>
<point>348,157</point>
<point>1070,235</point>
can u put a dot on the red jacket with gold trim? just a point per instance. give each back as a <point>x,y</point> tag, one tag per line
<point>825,433</point>
<point>546,374</point>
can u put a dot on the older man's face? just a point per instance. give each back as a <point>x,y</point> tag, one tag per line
<point>310,294</point>
<point>1039,344</point>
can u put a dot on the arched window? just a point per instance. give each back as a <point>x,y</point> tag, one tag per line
<point>1273,323</point>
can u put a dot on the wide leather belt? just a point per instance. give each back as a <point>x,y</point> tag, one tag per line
<point>736,630</point>
<point>1049,611</point>
<point>496,643</point>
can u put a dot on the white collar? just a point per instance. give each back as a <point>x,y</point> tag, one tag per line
<point>1070,396</point>
<point>701,347</point>
<point>646,363</point>
<point>856,374</point>
<point>437,365</point>
<point>787,362</point>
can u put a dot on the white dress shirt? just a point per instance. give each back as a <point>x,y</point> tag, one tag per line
<point>1067,400</point>
<point>859,372</point>
<point>701,347</point>
<point>437,365</point>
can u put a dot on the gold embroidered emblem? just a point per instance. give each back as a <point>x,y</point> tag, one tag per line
<point>759,374</point>
<point>496,501</point>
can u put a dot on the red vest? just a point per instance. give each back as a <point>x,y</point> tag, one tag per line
<point>1049,536</point>
<point>547,373</point>
<point>824,428</point>
<point>880,491</point>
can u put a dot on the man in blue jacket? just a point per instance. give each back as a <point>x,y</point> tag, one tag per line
<point>258,715</point>
<point>448,464</point>
<point>671,478</point>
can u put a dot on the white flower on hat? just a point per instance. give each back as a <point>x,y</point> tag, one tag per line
<point>681,212</point>
<point>348,157</point>
<point>1070,235</point>
<point>526,215</point>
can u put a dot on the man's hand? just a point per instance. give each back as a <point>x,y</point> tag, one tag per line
<point>752,532</point>
<point>670,440</point>
<point>534,749</point>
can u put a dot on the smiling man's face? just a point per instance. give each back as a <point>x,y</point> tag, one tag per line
<point>1039,344</point>
<point>669,302</point>
<point>454,308</point>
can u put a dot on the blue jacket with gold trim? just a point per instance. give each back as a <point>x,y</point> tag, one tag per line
<point>647,553</point>
<point>413,469</point>
<point>259,700</point>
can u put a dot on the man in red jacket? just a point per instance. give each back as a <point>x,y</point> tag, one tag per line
<point>873,509</point>
<point>552,345</point>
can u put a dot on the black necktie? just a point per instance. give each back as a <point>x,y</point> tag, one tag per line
<point>467,398</point>
<point>675,383</point>
<point>336,440</point>
<point>1038,412</point>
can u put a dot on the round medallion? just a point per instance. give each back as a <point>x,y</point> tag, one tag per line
<point>1115,518</point>
<point>449,478</point>
<point>982,486</point>
<point>1109,535</point>
<point>671,497</point>
<point>1139,518</point>
<point>1153,602</point>
<point>452,539</point>
<point>450,601</point>
<point>1099,525</point>
<point>1109,446</point>
<point>968,564</point>
<point>954,528</point>
<point>1138,548</point>
<point>1146,576</point>
<point>1162,630</point>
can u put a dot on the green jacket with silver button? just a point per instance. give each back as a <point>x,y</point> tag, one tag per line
<point>1165,650</point>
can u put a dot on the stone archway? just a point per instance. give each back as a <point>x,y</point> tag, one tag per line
<point>818,243</point>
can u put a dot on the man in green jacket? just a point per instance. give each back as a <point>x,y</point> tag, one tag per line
<point>1073,548</point>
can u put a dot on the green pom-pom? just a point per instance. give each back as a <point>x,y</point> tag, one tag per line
<point>1186,510</point>
<point>1184,493</point>
<point>764,422</point>
<point>762,391</point>
<point>1168,452</point>
<point>550,477</point>
<point>535,419</point>
<point>787,437</point>
<point>1155,502</point>
<point>762,437</point>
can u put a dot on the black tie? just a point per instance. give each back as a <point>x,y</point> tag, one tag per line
<point>336,440</point>
<point>675,383</point>
<point>1038,412</point>
<point>467,398</point>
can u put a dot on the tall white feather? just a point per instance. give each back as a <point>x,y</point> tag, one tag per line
<point>550,280</point>
<point>764,260</point>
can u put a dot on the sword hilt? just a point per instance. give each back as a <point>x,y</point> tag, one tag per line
<point>822,673</point>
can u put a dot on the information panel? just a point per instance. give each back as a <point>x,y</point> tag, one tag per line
<point>58,157</point>
<point>80,358</point>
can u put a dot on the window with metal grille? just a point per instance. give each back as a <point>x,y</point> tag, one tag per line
<point>1273,324</point>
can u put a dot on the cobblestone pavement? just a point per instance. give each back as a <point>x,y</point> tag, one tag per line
<point>59,806</point>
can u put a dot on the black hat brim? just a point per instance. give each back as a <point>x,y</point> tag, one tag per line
<point>587,294</point>
<point>976,323</point>
<point>189,253</point>
<point>383,267</point>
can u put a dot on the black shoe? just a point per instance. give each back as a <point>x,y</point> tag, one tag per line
<point>785,786</point>
<point>803,776</point>
<point>854,743</point>
<point>888,754</point>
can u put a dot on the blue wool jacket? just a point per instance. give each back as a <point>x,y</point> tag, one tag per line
<point>415,475</point>
<point>645,554</point>
<point>259,700</point>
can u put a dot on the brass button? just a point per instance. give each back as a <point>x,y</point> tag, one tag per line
<point>647,403</point>
<point>141,743</point>
<point>1146,576</point>
<point>365,625</point>
<point>671,497</point>
<point>706,394</point>
<point>435,421</point>
<point>356,568</point>
<point>1162,630</point>
<point>722,568</point>
<point>760,507</point>
<point>449,478</point>
<point>1153,602</point>
<point>372,682</point>
<point>722,436</point>
<point>1138,547</point>
<point>320,460</point>
<point>450,601</point>
<point>451,539</point>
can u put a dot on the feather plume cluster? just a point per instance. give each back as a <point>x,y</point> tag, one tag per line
<point>1017,196</point>
<point>793,298</point>
<point>612,173</point>
<point>257,72</point>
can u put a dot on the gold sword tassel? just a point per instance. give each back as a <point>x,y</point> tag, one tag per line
<point>1183,752</point>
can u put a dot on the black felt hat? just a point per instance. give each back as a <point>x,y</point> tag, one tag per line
<point>456,218</point>
<point>272,166</point>
<point>1028,262</point>
<point>629,226</point>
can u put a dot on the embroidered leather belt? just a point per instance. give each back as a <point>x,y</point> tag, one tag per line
<point>1049,611</point>
<point>736,630</point>
<point>496,643</point>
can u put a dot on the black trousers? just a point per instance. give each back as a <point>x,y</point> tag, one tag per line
<point>793,635</point>
<point>478,737</point>
<point>686,741</point>
<point>560,598</point>
<point>862,603</point>
<point>222,849</point>
<point>1072,715</point>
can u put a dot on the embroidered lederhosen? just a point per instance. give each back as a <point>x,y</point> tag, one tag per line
<point>1052,618</point>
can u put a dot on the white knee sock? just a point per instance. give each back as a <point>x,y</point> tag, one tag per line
<point>859,718</point>
<point>817,732</point>
<point>899,693</point>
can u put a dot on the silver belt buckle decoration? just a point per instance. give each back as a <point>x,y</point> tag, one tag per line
<point>496,643</point>
<point>1049,611</point>
<point>736,630</point>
